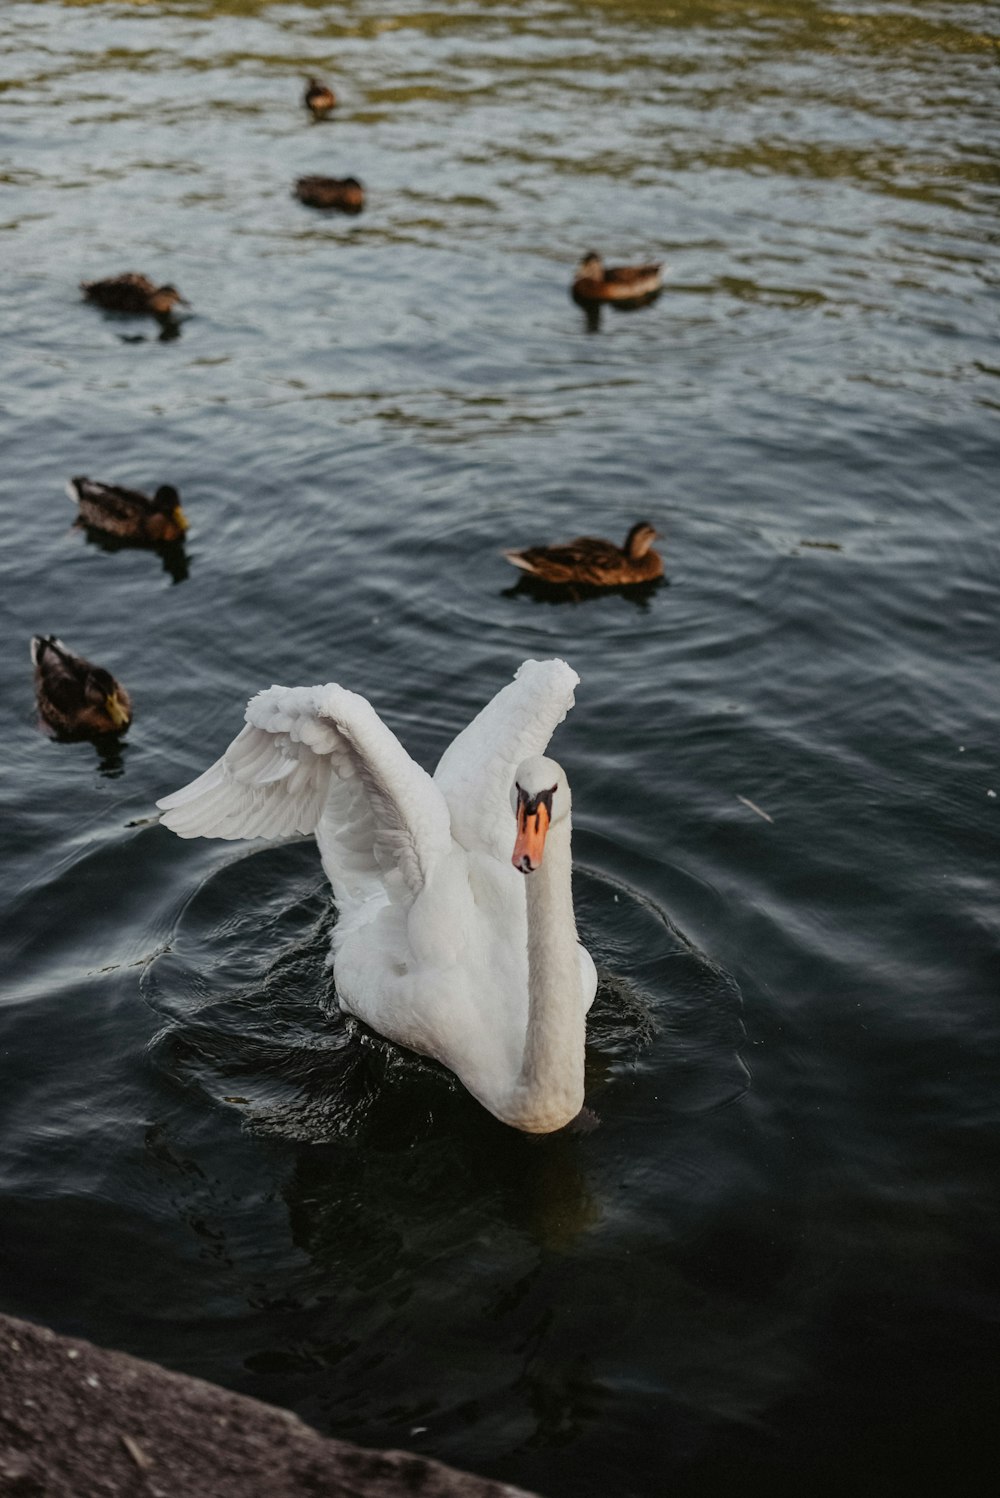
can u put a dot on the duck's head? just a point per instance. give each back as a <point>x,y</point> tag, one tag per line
<point>110,695</point>
<point>165,298</point>
<point>639,539</point>
<point>166,501</point>
<point>351,194</point>
<point>591,267</point>
<point>539,797</point>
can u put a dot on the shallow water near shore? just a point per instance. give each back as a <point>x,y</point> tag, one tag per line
<point>770,1257</point>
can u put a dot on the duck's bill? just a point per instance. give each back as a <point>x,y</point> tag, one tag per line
<point>531,829</point>
<point>117,710</point>
<point>180,519</point>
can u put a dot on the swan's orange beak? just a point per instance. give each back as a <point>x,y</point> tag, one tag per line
<point>532,825</point>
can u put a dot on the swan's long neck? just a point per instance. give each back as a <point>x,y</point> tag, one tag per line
<point>549,1090</point>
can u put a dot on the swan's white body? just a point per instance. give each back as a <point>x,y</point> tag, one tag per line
<point>441,943</point>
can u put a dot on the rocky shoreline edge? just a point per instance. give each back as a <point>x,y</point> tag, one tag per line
<point>79,1421</point>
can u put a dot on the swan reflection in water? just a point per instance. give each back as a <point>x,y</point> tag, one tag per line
<point>243,986</point>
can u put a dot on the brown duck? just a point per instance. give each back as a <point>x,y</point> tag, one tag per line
<point>596,282</point>
<point>133,294</point>
<point>77,699</point>
<point>128,513</point>
<point>594,562</point>
<point>318,98</point>
<point>345,193</point>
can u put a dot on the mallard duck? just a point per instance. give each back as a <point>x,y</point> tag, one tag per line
<point>596,563</point>
<point>134,294</point>
<point>76,698</point>
<point>596,282</point>
<point>345,193</point>
<point>128,512</point>
<point>319,98</point>
<point>455,933</point>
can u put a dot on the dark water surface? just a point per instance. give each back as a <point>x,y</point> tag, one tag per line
<point>774,1262</point>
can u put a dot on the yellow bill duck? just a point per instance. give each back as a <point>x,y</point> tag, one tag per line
<point>155,520</point>
<point>75,698</point>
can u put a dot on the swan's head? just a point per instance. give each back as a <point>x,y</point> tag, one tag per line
<point>539,797</point>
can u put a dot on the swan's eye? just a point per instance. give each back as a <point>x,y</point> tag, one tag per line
<point>527,805</point>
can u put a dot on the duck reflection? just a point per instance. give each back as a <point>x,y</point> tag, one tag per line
<point>592,310</point>
<point>539,591</point>
<point>108,747</point>
<point>170,328</point>
<point>111,753</point>
<point>172,554</point>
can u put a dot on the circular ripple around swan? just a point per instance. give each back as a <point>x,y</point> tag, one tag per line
<point>251,1017</point>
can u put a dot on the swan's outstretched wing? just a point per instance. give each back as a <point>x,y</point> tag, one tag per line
<point>320,759</point>
<point>476,771</point>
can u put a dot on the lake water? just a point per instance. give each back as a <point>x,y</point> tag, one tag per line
<point>773,1263</point>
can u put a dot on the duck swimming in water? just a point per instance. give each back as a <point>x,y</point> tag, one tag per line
<point>128,513</point>
<point>77,699</point>
<point>594,562</point>
<point>596,282</point>
<point>319,98</point>
<point>134,294</point>
<point>345,193</point>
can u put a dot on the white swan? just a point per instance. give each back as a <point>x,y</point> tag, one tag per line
<point>453,937</point>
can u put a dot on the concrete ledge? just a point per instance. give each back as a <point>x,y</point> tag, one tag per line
<point>77,1421</point>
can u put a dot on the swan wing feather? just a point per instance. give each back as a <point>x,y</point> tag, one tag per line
<point>320,760</point>
<point>476,771</point>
